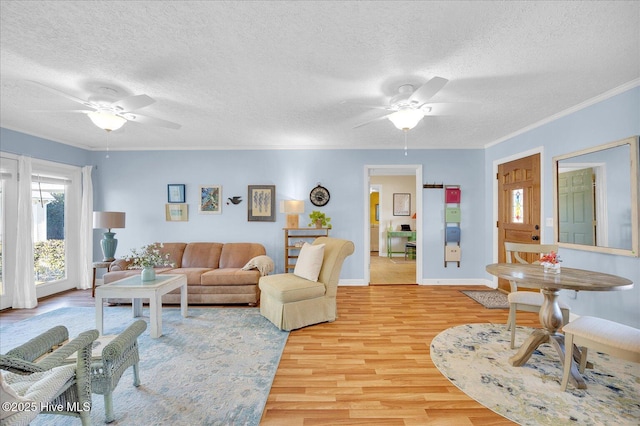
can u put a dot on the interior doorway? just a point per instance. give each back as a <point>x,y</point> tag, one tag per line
<point>406,214</point>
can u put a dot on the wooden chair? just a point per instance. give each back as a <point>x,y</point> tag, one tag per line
<point>410,248</point>
<point>291,302</point>
<point>618,340</point>
<point>527,301</point>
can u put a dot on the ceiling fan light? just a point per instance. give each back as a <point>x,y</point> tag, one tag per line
<point>106,121</point>
<point>406,119</point>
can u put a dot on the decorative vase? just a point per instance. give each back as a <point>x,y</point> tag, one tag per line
<point>148,274</point>
<point>553,268</point>
<point>319,223</point>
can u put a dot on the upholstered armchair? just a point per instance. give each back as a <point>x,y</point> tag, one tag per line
<point>292,302</point>
<point>120,354</point>
<point>66,389</point>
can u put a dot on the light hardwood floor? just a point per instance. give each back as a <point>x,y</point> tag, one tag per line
<point>371,366</point>
<point>391,271</point>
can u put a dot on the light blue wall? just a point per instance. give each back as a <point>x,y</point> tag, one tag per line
<point>35,147</point>
<point>607,121</point>
<point>136,182</point>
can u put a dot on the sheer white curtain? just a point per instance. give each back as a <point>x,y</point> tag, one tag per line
<point>24,295</point>
<point>86,230</point>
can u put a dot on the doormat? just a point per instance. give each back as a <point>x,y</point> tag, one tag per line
<point>490,299</point>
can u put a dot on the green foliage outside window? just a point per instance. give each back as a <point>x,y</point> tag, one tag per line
<point>48,259</point>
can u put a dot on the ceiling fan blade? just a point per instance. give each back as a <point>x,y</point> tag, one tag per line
<point>132,103</point>
<point>428,90</point>
<point>143,119</point>
<point>66,95</point>
<point>372,121</point>
<point>83,111</point>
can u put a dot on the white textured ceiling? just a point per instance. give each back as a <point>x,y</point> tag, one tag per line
<point>241,75</point>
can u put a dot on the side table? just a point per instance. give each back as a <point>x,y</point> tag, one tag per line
<point>96,265</point>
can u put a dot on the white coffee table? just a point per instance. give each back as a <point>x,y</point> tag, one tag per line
<point>136,289</point>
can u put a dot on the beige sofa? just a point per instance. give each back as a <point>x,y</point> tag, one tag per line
<point>214,272</point>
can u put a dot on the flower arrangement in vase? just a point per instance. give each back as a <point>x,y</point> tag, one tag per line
<point>551,262</point>
<point>146,258</point>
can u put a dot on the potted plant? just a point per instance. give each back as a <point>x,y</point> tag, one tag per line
<point>319,219</point>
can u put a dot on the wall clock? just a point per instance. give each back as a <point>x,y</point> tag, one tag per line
<point>319,196</point>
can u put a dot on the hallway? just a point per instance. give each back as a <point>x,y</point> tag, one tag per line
<point>392,271</point>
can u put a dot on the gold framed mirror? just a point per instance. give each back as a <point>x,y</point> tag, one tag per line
<point>595,202</point>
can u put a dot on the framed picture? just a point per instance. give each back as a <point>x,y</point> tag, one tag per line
<point>210,199</point>
<point>177,212</point>
<point>401,204</point>
<point>175,193</point>
<point>262,203</point>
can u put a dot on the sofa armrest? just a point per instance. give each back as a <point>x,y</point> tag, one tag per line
<point>120,265</point>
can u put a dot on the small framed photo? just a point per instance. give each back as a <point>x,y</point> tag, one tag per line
<point>175,193</point>
<point>177,212</point>
<point>262,203</point>
<point>401,204</point>
<point>210,199</point>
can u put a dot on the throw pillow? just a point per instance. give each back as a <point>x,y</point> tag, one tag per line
<point>309,261</point>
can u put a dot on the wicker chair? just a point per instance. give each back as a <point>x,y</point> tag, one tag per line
<point>120,354</point>
<point>74,394</point>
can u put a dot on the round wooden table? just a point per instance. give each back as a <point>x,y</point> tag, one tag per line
<point>550,285</point>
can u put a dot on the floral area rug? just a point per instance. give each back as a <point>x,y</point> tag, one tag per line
<point>474,357</point>
<point>215,367</point>
<point>490,299</point>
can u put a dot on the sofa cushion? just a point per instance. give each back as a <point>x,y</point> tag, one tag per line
<point>194,275</point>
<point>287,288</point>
<point>202,255</point>
<point>175,252</point>
<point>236,255</point>
<point>309,261</point>
<point>230,276</point>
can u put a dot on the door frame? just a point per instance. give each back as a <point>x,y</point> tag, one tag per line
<point>496,163</point>
<point>391,170</point>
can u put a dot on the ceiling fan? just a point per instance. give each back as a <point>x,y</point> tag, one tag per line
<point>410,105</point>
<point>110,115</point>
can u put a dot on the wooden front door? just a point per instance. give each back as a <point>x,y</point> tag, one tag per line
<point>518,205</point>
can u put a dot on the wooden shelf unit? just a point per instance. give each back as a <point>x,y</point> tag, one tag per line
<point>293,235</point>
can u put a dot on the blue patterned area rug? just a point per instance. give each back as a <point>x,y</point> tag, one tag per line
<point>474,357</point>
<point>215,367</point>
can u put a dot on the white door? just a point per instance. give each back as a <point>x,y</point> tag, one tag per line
<point>8,215</point>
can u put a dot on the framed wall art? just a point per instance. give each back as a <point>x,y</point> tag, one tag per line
<point>401,204</point>
<point>210,199</point>
<point>175,193</point>
<point>177,212</point>
<point>262,203</point>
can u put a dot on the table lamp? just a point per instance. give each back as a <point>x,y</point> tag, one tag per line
<point>108,220</point>
<point>292,208</point>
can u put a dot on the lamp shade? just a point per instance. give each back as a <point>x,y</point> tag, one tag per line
<point>108,220</point>
<point>406,119</point>
<point>106,120</point>
<point>292,206</point>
